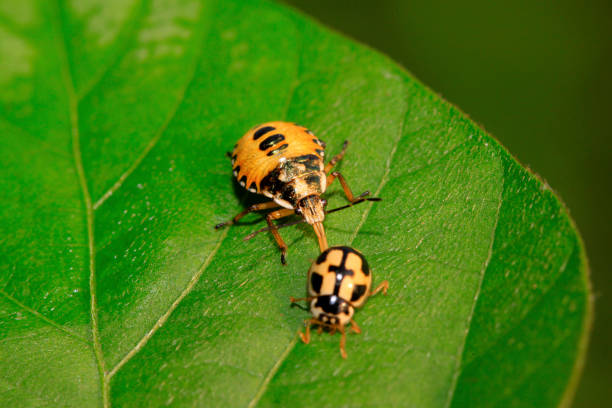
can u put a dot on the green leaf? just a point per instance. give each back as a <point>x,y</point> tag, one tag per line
<point>115,289</point>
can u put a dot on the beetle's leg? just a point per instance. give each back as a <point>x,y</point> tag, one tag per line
<point>306,336</point>
<point>342,341</point>
<point>384,285</point>
<point>275,215</point>
<point>355,327</point>
<point>345,187</point>
<point>336,158</point>
<point>254,207</point>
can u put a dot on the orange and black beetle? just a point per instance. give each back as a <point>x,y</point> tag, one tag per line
<point>284,162</point>
<point>339,281</point>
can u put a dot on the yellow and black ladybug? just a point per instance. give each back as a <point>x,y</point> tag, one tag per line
<point>284,162</point>
<point>339,281</point>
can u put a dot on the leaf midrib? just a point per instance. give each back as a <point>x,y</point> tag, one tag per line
<point>61,42</point>
<point>74,100</point>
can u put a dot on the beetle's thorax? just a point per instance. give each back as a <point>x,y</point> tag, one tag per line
<point>304,176</point>
<point>295,179</point>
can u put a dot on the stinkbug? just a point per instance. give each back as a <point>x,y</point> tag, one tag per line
<point>285,162</point>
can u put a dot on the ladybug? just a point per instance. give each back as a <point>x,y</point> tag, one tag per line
<point>285,162</point>
<point>339,281</point>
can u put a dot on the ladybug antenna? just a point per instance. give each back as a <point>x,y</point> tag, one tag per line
<point>289,224</point>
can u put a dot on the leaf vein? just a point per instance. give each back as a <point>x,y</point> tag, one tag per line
<point>44,318</point>
<point>264,385</point>
<point>129,31</point>
<point>543,296</point>
<point>196,277</point>
<point>459,355</point>
<point>162,320</point>
<point>153,142</point>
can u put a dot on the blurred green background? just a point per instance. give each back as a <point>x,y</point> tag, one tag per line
<point>536,75</point>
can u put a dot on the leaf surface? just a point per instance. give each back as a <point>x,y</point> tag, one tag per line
<point>116,290</point>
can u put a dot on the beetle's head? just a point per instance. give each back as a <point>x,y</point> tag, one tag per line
<point>331,310</point>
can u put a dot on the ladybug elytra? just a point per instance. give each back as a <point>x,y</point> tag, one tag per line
<point>339,281</point>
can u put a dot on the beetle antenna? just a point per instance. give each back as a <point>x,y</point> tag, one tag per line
<point>289,224</point>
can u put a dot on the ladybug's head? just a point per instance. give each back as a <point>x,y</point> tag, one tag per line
<point>331,310</point>
<point>312,208</point>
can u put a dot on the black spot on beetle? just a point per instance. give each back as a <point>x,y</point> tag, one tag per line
<point>271,141</point>
<point>278,149</point>
<point>341,269</point>
<point>364,264</point>
<point>263,131</point>
<point>358,292</point>
<point>316,281</point>
<point>322,257</point>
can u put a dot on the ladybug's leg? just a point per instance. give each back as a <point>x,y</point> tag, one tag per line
<point>384,285</point>
<point>354,327</point>
<point>336,158</point>
<point>345,187</point>
<point>306,336</point>
<point>254,207</point>
<point>275,215</point>
<point>342,341</point>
